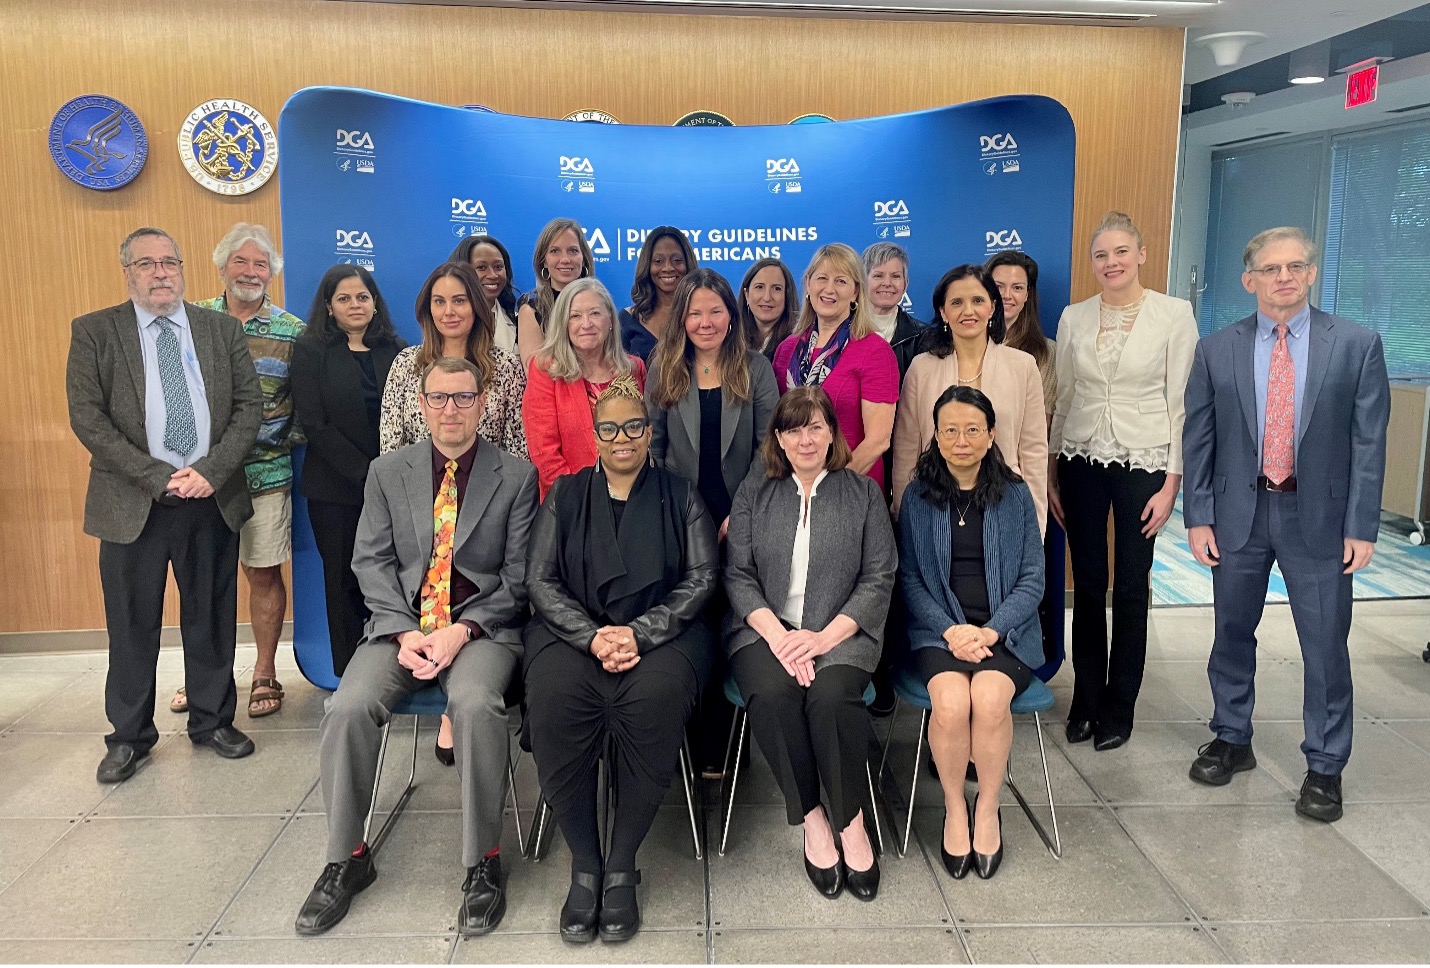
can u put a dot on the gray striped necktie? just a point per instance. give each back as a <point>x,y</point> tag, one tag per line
<point>180,434</point>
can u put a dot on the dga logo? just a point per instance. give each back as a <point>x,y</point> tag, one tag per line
<point>355,147</point>
<point>891,217</point>
<point>783,175</point>
<point>704,119</point>
<point>469,217</point>
<point>906,304</point>
<point>997,241</point>
<point>592,116</point>
<point>999,152</point>
<point>228,147</point>
<point>354,247</point>
<point>98,142</point>
<point>577,174</point>
<point>600,248</point>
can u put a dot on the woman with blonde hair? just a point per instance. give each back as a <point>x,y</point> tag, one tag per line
<point>579,358</point>
<point>835,346</point>
<point>561,256</point>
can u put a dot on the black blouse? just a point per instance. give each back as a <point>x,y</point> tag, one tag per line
<point>711,484</point>
<point>371,389</point>
<point>966,577</point>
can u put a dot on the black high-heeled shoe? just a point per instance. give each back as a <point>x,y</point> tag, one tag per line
<point>579,921</point>
<point>987,864</point>
<point>957,865</point>
<point>828,881</point>
<point>446,755</point>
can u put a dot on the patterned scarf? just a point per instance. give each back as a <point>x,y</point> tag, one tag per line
<point>810,367</point>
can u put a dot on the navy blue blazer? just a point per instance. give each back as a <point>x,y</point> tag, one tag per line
<point>1012,561</point>
<point>1340,447</point>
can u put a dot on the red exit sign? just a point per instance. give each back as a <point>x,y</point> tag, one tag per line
<point>1361,86</point>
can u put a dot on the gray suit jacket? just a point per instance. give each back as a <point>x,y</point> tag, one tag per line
<point>675,433</point>
<point>394,541</point>
<point>851,561</point>
<point>104,381</point>
<point>1340,447</point>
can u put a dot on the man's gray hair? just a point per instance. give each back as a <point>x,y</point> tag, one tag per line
<point>246,232</point>
<point>139,234</point>
<point>1283,233</point>
<point>881,252</point>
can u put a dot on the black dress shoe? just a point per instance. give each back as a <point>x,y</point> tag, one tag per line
<point>483,899</point>
<point>579,913</point>
<point>828,881</point>
<point>1109,742</point>
<point>1320,797</point>
<point>446,755</point>
<point>864,885</point>
<point>229,742</point>
<point>119,763</point>
<point>987,864</point>
<point>957,865</point>
<point>1079,730</point>
<point>1219,760</point>
<point>620,914</point>
<point>333,894</point>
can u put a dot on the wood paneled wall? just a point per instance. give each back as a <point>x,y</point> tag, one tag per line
<point>162,57</point>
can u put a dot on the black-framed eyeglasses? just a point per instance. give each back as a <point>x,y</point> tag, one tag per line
<point>634,429</point>
<point>149,265</point>
<point>437,399</point>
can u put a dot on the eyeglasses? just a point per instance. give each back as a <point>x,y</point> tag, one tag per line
<point>949,434</point>
<point>147,266</point>
<point>437,400</point>
<point>1271,272</point>
<point>810,431</point>
<point>634,429</point>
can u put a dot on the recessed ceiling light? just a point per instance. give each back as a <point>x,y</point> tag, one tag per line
<point>1311,65</point>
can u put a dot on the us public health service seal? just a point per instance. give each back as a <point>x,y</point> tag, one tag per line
<point>704,119</point>
<point>228,147</point>
<point>98,142</point>
<point>598,117</point>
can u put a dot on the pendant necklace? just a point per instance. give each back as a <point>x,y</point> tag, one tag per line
<point>964,510</point>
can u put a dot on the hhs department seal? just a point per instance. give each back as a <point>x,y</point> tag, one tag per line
<point>704,119</point>
<point>228,147</point>
<point>591,115</point>
<point>98,142</point>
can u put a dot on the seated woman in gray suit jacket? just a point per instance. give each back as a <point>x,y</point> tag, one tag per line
<point>810,568</point>
<point>621,563</point>
<point>972,574</point>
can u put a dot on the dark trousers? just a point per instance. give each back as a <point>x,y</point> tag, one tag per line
<point>574,709</point>
<point>1107,680</point>
<point>1321,608</point>
<point>193,537</point>
<point>810,736</point>
<point>334,532</point>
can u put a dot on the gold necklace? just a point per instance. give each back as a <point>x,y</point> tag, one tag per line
<point>962,511</point>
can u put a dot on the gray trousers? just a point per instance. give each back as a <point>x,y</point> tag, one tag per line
<point>351,737</point>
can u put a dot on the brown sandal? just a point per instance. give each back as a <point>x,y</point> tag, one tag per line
<point>180,702</point>
<point>272,690</point>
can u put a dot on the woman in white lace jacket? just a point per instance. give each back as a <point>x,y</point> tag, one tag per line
<point>1122,360</point>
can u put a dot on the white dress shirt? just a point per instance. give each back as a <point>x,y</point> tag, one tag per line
<point>155,412</point>
<point>793,609</point>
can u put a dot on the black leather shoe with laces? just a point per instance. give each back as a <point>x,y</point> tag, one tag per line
<point>1219,760</point>
<point>1320,797</point>
<point>331,896</point>
<point>483,898</point>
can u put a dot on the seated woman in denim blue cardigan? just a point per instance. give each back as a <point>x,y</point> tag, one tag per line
<point>971,568</point>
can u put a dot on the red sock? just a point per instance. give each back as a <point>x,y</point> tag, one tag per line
<point>495,851</point>
<point>361,851</point>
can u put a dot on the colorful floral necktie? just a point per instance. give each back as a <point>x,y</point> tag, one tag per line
<point>437,589</point>
<point>1278,452</point>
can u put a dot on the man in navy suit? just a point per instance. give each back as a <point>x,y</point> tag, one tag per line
<point>1284,451</point>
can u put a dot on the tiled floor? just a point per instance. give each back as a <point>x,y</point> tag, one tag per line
<point>202,860</point>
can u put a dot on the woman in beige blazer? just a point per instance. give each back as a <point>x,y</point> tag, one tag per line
<point>1123,358</point>
<point>967,351</point>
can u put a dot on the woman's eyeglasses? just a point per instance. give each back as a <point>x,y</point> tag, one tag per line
<point>608,430</point>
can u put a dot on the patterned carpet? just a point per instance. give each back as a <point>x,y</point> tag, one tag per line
<point>1398,570</point>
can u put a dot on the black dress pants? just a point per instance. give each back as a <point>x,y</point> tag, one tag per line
<point>810,736</point>
<point>335,532</point>
<point>1107,680</point>
<point>574,708</point>
<point>193,537</point>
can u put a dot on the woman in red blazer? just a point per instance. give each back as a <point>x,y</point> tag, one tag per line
<point>580,356</point>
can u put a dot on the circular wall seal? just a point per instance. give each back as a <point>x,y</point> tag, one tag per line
<point>811,119</point>
<point>704,119</point>
<point>228,147</point>
<point>98,142</point>
<point>592,115</point>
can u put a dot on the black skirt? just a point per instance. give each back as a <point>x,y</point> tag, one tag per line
<point>931,661</point>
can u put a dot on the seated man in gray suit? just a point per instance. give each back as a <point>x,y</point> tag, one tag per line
<point>441,559</point>
<point>163,395</point>
<point>1284,451</point>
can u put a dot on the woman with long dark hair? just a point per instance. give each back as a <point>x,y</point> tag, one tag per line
<point>1016,276</point>
<point>492,263</point>
<point>339,368</point>
<point>666,257</point>
<point>971,570</point>
<point>560,257</point>
<point>769,306</point>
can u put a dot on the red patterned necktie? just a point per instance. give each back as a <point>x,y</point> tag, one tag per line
<point>1278,452</point>
<point>437,588</point>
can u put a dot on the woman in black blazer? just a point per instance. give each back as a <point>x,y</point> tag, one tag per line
<point>338,371</point>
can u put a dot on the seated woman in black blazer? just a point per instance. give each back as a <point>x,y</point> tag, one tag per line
<point>621,562</point>
<point>338,371</point>
<point>971,569</point>
<point>810,567</point>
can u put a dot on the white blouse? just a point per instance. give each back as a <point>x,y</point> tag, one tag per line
<point>504,334</point>
<point>793,609</point>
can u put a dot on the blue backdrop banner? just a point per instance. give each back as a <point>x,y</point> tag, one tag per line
<point>393,184</point>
